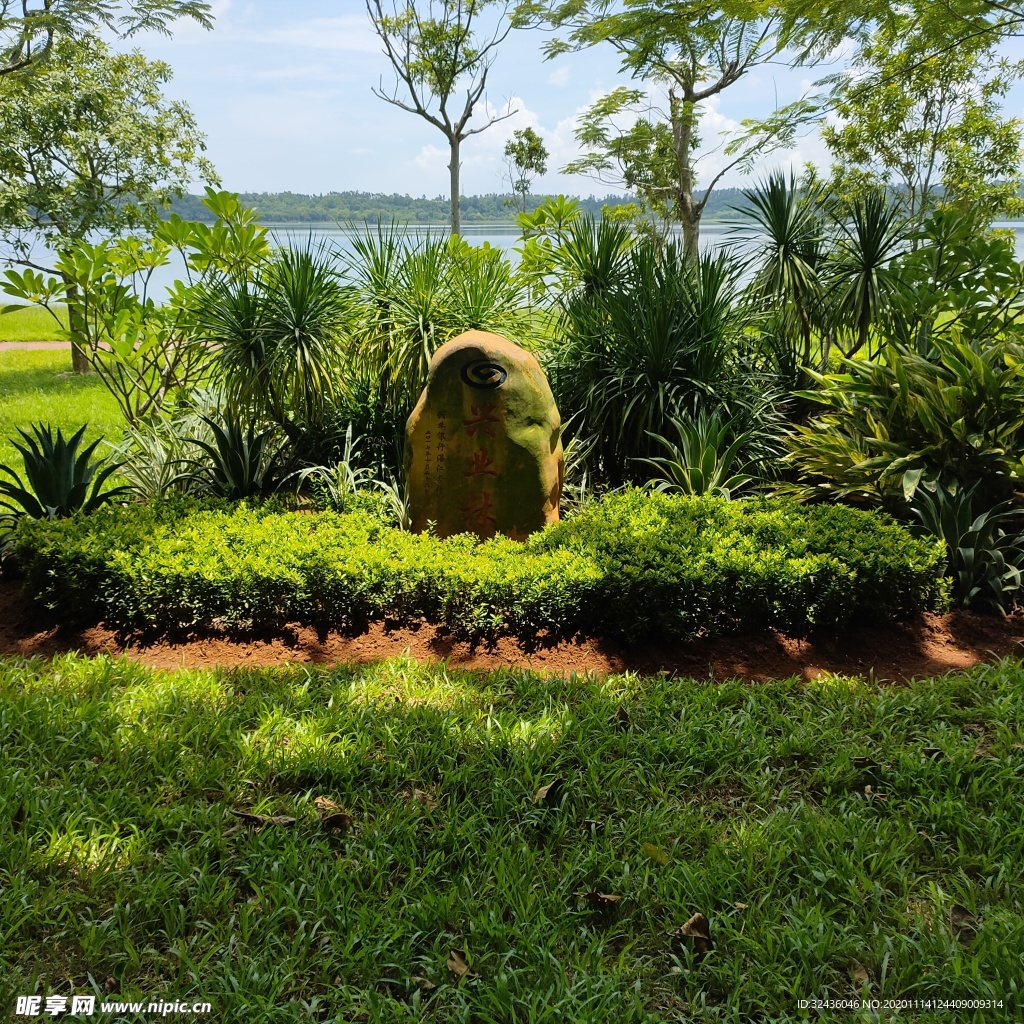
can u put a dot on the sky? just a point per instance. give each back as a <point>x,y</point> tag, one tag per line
<point>282,89</point>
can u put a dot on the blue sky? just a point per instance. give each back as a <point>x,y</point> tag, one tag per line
<point>282,89</point>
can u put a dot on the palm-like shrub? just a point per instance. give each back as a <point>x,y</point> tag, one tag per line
<point>416,295</point>
<point>280,336</point>
<point>59,479</point>
<point>653,341</point>
<point>789,230</point>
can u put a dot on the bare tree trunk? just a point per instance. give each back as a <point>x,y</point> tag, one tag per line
<point>691,232</point>
<point>682,138</point>
<point>76,326</point>
<point>454,167</point>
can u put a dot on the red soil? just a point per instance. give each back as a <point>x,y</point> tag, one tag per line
<point>936,644</point>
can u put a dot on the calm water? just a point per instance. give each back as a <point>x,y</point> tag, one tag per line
<point>502,236</point>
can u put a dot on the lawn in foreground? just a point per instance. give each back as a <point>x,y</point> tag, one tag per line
<point>827,830</point>
<point>39,387</point>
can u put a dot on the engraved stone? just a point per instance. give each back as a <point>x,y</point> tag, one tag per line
<point>483,453</point>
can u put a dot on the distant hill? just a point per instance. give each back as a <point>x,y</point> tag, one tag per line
<point>371,207</point>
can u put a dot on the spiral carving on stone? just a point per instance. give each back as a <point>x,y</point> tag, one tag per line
<point>483,375</point>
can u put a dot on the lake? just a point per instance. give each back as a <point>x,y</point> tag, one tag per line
<point>502,236</point>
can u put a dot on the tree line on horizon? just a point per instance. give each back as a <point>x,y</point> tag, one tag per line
<point>376,207</point>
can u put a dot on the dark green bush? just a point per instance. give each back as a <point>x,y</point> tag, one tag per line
<point>633,566</point>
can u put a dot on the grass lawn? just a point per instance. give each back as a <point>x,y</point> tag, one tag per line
<point>40,387</point>
<point>29,323</point>
<point>841,837</point>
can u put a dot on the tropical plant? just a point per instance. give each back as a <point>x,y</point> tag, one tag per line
<point>788,232</point>
<point>147,352</point>
<point>239,462</point>
<point>279,335</point>
<point>646,337</point>
<point>860,268</point>
<point>59,479</point>
<point>707,459</point>
<point>900,420</point>
<point>984,561</point>
<point>416,295</point>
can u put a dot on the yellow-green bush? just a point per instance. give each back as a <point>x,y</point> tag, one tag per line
<point>635,565</point>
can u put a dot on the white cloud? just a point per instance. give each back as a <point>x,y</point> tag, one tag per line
<point>349,33</point>
<point>560,76</point>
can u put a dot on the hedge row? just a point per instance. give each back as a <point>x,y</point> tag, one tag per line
<point>633,566</point>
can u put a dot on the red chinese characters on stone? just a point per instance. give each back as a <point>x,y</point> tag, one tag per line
<point>480,463</point>
<point>485,419</point>
<point>480,511</point>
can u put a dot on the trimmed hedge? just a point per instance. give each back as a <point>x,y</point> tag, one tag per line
<point>633,566</point>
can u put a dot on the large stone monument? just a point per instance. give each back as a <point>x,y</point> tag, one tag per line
<point>483,453</point>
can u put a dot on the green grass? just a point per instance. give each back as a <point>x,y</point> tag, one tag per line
<point>40,387</point>
<point>30,323</point>
<point>827,830</point>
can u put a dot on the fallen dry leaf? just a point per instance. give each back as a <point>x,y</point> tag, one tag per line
<point>458,966</point>
<point>423,984</point>
<point>740,906</point>
<point>548,795</point>
<point>695,935</point>
<point>599,899</point>
<point>963,922</point>
<point>424,799</point>
<point>259,820</point>
<point>859,975</point>
<point>872,795</point>
<point>325,805</point>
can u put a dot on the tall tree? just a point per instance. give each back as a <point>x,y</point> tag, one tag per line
<point>927,126</point>
<point>437,48</point>
<point>527,157</point>
<point>88,143</point>
<point>29,28</point>
<point>696,51</point>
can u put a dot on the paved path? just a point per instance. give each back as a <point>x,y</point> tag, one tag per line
<point>33,346</point>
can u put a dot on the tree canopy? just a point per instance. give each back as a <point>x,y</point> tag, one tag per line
<point>30,28</point>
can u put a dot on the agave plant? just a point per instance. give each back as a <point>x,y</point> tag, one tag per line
<point>240,463</point>
<point>59,480</point>
<point>704,462</point>
<point>984,561</point>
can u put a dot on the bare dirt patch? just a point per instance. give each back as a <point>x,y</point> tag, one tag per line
<point>931,646</point>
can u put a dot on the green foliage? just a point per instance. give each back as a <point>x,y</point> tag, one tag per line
<point>632,566</point>
<point>416,295</point>
<point>279,335</point>
<point>647,336</point>
<point>88,143</point>
<point>59,479</point>
<point>900,419</point>
<point>28,35</point>
<point>927,124</point>
<point>527,157</point>
<point>239,462</point>
<point>705,461</point>
<point>984,562</point>
<point>146,352</point>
